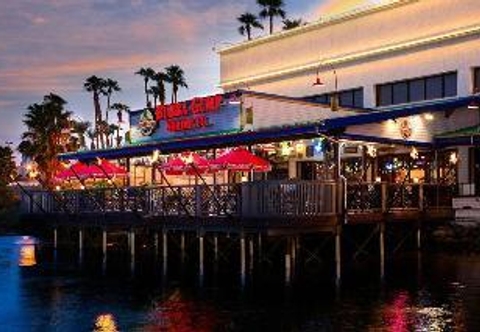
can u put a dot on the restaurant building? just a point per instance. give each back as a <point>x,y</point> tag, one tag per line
<point>392,86</point>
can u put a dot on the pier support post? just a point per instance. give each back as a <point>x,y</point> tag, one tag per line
<point>242,259</point>
<point>259,247</point>
<point>155,244</point>
<point>80,246</point>
<point>104,251</point>
<point>55,238</point>
<point>132,244</point>
<point>200,257</point>
<point>288,262</point>
<point>419,236</point>
<point>251,254</point>
<point>165,252</point>
<point>338,255</point>
<point>382,249</point>
<point>215,247</point>
<point>104,243</point>
<point>182,247</point>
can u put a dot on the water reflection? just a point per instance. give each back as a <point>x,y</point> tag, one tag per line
<point>27,252</point>
<point>178,313</point>
<point>105,323</point>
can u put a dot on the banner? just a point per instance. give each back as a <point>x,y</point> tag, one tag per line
<point>194,118</point>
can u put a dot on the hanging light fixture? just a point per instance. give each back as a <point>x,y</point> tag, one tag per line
<point>318,82</point>
<point>414,153</point>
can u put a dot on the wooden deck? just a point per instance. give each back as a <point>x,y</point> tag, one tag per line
<point>273,207</point>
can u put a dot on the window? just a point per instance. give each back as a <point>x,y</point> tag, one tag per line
<point>476,80</point>
<point>426,88</point>
<point>346,98</point>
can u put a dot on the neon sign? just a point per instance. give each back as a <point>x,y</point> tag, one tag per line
<point>187,116</point>
<point>194,118</point>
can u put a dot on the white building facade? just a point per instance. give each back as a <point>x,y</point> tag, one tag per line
<point>383,57</point>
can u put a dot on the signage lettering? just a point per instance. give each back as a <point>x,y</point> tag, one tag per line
<point>190,115</point>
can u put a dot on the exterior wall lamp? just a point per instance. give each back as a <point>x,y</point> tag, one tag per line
<point>334,96</point>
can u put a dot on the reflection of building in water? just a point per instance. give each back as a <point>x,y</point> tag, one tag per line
<point>27,252</point>
<point>105,323</point>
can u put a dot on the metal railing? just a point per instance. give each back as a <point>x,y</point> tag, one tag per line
<point>263,199</point>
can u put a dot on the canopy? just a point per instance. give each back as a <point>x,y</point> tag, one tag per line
<point>83,171</point>
<point>77,170</point>
<point>186,164</point>
<point>241,160</point>
<point>104,168</point>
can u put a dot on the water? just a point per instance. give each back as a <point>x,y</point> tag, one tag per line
<point>44,291</point>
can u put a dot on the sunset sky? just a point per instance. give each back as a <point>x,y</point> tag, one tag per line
<point>54,45</point>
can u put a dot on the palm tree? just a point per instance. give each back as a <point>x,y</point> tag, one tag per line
<point>109,88</point>
<point>148,74</point>
<point>271,9</point>
<point>47,122</point>
<point>248,21</point>
<point>80,128</point>
<point>96,85</point>
<point>155,92</point>
<point>161,78</point>
<point>176,77</point>
<point>7,171</point>
<point>289,24</point>
<point>120,108</point>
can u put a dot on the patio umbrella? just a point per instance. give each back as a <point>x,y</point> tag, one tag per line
<point>186,165</point>
<point>105,168</point>
<point>75,171</point>
<point>241,160</point>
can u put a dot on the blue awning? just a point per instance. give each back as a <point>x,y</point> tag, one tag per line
<point>329,127</point>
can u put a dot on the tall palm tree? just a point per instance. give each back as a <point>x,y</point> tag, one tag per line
<point>289,24</point>
<point>155,92</point>
<point>7,171</point>
<point>248,21</point>
<point>120,108</point>
<point>176,77</point>
<point>148,74</point>
<point>96,85</point>
<point>271,9</point>
<point>47,123</point>
<point>109,88</point>
<point>161,78</point>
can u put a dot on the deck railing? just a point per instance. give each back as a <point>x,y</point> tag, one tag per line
<point>249,200</point>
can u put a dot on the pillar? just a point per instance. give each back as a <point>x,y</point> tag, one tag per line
<point>242,259</point>
<point>200,257</point>
<point>288,262</point>
<point>182,247</point>
<point>165,252</point>
<point>382,249</point>
<point>55,238</point>
<point>338,255</point>
<point>419,236</point>
<point>251,253</point>
<point>155,243</point>
<point>104,243</point>
<point>132,244</point>
<point>215,247</point>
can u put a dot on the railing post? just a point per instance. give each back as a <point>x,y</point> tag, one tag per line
<point>198,201</point>
<point>420,197</point>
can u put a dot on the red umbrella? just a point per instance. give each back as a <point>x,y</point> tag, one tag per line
<point>241,160</point>
<point>104,166</point>
<point>186,164</point>
<point>77,170</point>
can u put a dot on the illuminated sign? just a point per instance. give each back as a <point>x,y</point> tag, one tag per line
<point>193,118</point>
<point>191,115</point>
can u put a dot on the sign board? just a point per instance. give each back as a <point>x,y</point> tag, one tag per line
<point>194,118</point>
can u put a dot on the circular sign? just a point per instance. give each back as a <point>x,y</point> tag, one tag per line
<point>405,129</point>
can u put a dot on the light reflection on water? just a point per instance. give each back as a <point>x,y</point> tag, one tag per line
<point>37,293</point>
